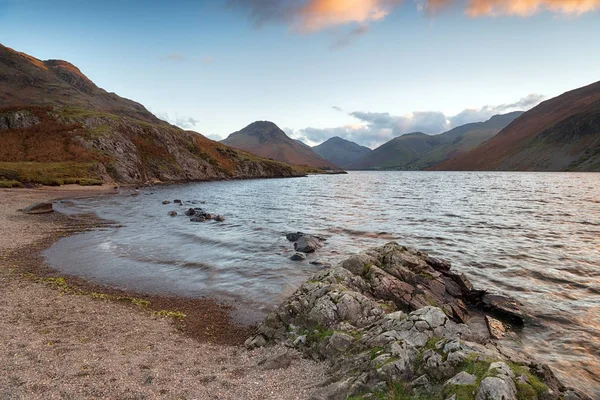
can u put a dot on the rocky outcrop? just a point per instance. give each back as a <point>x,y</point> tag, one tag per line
<point>391,321</point>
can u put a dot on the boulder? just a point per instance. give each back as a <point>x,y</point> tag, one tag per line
<point>220,218</point>
<point>462,378</point>
<point>277,361</point>
<point>190,212</point>
<point>503,306</point>
<point>172,213</point>
<point>38,208</point>
<point>198,219</point>
<point>298,257</point>
<point>292,237</point>
<point>307,244</point>
<point>177,201</point>
<point>493,388</point>
<point>166,202</point>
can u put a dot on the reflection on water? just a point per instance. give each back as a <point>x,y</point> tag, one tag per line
<point>535,236</point>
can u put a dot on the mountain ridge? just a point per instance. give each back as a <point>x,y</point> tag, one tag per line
<point>57,126</point>
<point>560,134</point>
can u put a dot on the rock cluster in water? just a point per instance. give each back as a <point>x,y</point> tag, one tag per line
<point>304,244</point>
<point>197,213</point>
<point>391,321</point>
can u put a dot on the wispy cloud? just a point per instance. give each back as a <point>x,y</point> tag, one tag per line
<point>176,57</point>
<point>347,38</point>
<point>309,16</point>
<point>184,122</point>
<point>522,8</point>
<point>375,128</point>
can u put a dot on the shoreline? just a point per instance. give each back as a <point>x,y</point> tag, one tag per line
<point>203,319</point>
<point>52,323</point>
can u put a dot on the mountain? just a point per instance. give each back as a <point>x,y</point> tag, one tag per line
<point>560,134</point>
<point>57,126</point>
<point>265,139</point>
<point>418,151</point>
<point>340,151</point>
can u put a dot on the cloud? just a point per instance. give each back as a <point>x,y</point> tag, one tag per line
<point>309,16</point>
<point>349,37</point>
<point>176,57</point>
<point>522,8</point>
<point>376,128</point>
<point>336,108</point>
<point>183,122</point>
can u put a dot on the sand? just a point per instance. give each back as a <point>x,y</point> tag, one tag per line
<point>60,341</point>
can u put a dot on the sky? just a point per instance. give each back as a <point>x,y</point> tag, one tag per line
<point>365,70</point>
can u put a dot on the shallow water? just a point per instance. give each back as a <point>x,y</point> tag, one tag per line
<point>535,236</point>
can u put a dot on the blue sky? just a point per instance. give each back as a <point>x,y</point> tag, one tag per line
<point>367,70</point>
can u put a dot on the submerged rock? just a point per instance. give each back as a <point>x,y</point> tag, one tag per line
<point>394,315</point>
<point>166,202</point>
<point>38,208</point>
<point>190,212</point>
<point>220,218</point>
<point>177,201</point>
<point>292,237</point>
<point>172,213</point>
<point>298,257</point>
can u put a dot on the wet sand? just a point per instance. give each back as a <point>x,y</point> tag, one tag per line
<point>62,337</point>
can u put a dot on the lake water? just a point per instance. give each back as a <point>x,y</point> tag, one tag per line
<point>535,236</point>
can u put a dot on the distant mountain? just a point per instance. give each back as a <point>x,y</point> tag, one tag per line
<point>418,151</point>
<point>265,139</point>
<point>341,152</point>
<point>560,134</point>
<point>57,126</point>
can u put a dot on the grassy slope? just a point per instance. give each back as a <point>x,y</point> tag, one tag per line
<point>64,148</point>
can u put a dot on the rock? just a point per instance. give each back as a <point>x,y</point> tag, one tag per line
<point>493,388</point>
<point>386,316</point>
<point>307,244</point>
<point>320,264</point>
<point>292,237</point>
<point>166,202</point>
<point>298,257</point>
<point>278,361</point>
<point>220,218</point>
<point>496,328</point>
<point>176,201</point>
<point>172,213</point>
<point>190,212</point>
<point>504,306</point>
<point>439,264</point>
<point>198,219</point>
<point>38,208</point>
<point>462,378</point>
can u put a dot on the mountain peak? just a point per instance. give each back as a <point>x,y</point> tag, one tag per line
<point>266,139</point>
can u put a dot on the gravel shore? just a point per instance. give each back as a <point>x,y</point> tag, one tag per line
<point>72,339</point>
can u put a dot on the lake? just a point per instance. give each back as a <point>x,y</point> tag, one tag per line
<point>535,236</point>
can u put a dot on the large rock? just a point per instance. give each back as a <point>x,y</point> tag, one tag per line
<point>38,208</point>
<point>395,315</point>
<point>308,244</point>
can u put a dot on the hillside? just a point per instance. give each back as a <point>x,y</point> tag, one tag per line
<point>560,134</point>
<point>57,126</point>
<point>265,139</point>
<point>341,152</point>
<point>418,151</point>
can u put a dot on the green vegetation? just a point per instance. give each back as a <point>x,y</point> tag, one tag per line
<point>535,383</point>
<point>10,183</point>
<point>171,314</point>
<point>48,173</point>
